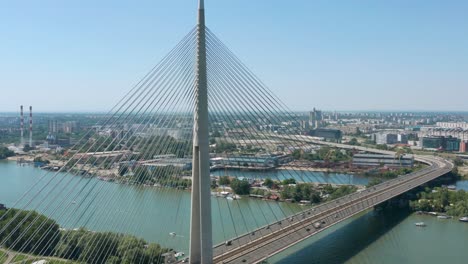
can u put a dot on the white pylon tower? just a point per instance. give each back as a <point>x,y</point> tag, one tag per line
<point>201,241</point>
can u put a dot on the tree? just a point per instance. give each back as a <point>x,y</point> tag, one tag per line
<point>287,192</point>
<point>288,181</point>
<point>421,205</point>
<point>131,249</point>
<point>213,184</point>
<point>5,153</point>
<point>374,181</point>
<point>458,161</point>
<point>30,232</point>
<point>224,180</point>
<point>123,170</point>
<point>342,191</point>
<point>399,153</point>
<point>141,174</point>
<point>328,189</point>
<point>296,154</point>
<point>68,247</point>
<point>302,191</point>
<point>354,142</point>
<point>45,238</point>
<point>216,134</point>
<point>444,197</point>
<point>113,260</point>
<point>153,253</point>
<point>381,146</point>
<point>92,254</point>
<point>225,147</point>
<point>460,208</point>
<point>268,183</point>
<point>241,187</point>
<point>27,148</point>
<point>40,159</point>
<point>315,197</point>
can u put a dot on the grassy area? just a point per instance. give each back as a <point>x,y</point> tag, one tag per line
<point>3,256</point>
<point>26,259</point>
<point>19,257</point>
<point>49,261</point>
<point>59,262</point>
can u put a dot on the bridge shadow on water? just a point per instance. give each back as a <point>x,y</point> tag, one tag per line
<point>340,243</point>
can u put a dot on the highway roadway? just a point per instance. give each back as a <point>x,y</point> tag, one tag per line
<point>268,240</point>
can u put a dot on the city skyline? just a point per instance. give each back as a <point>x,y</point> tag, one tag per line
<point>394,56</point>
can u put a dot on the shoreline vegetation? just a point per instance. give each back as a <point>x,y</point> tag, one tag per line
<point>170,177</point>
<point>442,201</point>
<point>443,198</point>
<point>74,245</point>
<point>5,153</point>
<point>288,190</point>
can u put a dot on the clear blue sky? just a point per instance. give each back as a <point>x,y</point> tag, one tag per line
<point>334,55</point>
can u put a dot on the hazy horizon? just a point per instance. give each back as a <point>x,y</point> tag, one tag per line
<point>292,111</point>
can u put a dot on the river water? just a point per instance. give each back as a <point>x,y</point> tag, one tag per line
<point>298,175</point>
<point>152,213</point>
<point>147,212</point>
<point>386,237</point>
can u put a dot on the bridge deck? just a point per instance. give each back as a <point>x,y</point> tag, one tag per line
<point>269,240</point>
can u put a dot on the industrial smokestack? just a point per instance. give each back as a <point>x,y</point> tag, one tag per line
<point>22,126</point>
<point>30,126</point>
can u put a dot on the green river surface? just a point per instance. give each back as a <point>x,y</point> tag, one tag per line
<point>152,213</point>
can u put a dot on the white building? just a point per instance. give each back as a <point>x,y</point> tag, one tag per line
<point>463,125</point>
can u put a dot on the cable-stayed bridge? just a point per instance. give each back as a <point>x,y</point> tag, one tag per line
<point>200,103</point>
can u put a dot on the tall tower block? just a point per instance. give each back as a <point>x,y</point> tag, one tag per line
<point>22,126</point>
<point>201,241</point>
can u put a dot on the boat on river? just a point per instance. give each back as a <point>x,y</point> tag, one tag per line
<point>422,224</point>
<point>443,217</point>
<point>464,219</point>
<point>233,197</point>
<point>179,254</point>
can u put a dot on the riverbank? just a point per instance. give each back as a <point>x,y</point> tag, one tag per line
<point>441,201</point>
<point>313,169</point>
<point>152,213</point>
<point>73,245</point>
<point>146,212</point>
<point>16,158</point>
<point>463,172</point>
